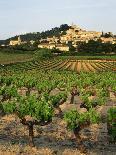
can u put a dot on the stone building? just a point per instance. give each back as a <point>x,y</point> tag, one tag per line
<point>108,40</point>
<point>46,45</point>
<point>15,42</point>
<point>60,47</point>
<point>77,34</point>
<point>74,35</point>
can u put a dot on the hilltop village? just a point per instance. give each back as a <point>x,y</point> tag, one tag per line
<point>72,37</point>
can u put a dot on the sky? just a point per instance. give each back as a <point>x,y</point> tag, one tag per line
<point>23,16</point>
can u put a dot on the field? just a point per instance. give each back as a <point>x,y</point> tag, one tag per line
<point>14,57</point>
<point>54,98</point>
<point>67,64</point>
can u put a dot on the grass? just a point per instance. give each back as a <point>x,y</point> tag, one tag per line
<point>7,58</point>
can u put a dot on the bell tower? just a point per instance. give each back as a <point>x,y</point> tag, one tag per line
<point>19,40</point>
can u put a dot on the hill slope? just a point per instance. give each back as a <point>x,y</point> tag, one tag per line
<point>37,35</point>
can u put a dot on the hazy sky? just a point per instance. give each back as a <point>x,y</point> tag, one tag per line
<point>21,16</point>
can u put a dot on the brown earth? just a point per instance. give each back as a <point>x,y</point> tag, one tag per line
<point>54,139</point>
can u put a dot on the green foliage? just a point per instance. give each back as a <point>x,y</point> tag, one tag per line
<point>9,91</point>
<point>24,47</point>
<point>90,104</point>
<point>24,76</point>
<point>43,54</point>
<point>30,83</point>
<point>111,121</point>
<point>40,110</point>
<point>96,47</point>
<point>6,81</point>
<point>40,106</point>
<point>94,116</point>
<point>1,107</point>
<point>72,119</point>
<point>8,56</point>
<point>75,119</point>
<point>9,107</point>
<point>112,114</point>
<point>57,98</point>
<point>43,111</point>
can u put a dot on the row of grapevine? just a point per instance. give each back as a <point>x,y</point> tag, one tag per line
<point>25,90</point>
<point>58,64</point>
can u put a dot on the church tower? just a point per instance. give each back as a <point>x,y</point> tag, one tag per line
<point>19,40</point>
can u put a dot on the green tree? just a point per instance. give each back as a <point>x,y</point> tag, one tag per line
<point>43,54</point>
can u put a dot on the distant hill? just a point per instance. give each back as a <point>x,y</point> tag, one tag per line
<point>37,35</point>
<point>2,42</point>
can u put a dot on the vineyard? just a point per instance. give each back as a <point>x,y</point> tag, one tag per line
<point>68,64</point>
<point>58,106</point>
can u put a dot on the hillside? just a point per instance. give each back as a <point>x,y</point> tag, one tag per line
<point>38,35</point>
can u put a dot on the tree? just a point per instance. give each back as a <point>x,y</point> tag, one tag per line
<point>108,35</point>
<point>35,44</point>
<point>43,54</point>
<point>64,27</point>
<point>96,47</point>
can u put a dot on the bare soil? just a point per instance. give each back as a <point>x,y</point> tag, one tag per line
<point>53,139</point>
